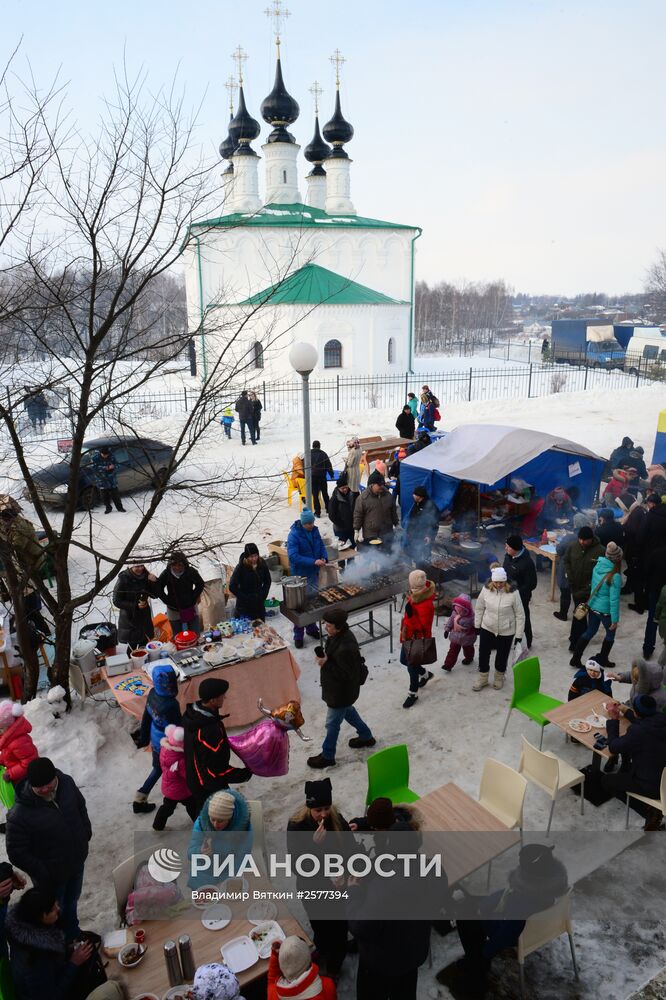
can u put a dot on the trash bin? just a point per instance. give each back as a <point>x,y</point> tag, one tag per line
<point>104,634</point>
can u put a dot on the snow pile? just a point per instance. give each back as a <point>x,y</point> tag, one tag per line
<point>72,741</point>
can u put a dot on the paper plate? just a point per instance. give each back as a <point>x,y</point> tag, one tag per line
<point>216,917</point>
<point>262,910</point>
<point>122,954</point>
<point>239,954</point>
<point>204,904</point>
<point>263,936</point>
<point>580,726</point>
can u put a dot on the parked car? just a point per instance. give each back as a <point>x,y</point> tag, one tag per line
<point>141,463</point>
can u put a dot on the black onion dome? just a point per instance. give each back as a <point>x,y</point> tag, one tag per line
<point>228,146</point>
<point>279,109</point>
<point>316,150</point>
<point>243,127</point>
<point>337,131</point>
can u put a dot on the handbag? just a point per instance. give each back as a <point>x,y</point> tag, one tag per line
<point>581,610</point>
<point>420,651</point>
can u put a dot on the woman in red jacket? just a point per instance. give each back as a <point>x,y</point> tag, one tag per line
<point>292,975</point>
<point>417,624</point>
<point>16,746</point>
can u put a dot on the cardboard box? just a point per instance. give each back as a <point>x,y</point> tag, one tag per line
<point>277,547</point>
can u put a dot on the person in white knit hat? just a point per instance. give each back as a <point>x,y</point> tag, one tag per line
<point>16,747</point>
<point>292,975</point>
<point>499,619</point>
<point>174,781</point>
<point>223,813</point>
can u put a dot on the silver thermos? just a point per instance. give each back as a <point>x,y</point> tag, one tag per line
<point>186,958</point>
<point>172,963</point>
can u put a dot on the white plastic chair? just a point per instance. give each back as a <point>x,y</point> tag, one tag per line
<point>258,834</point>
<point>502,793</point>
<point>659,803</point>
<point>541,928</point>
<point>123,876</point>
<point>77,680</point>
<point>551,774</point>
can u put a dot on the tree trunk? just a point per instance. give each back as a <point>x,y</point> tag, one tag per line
<point>64,620</point>
<point>23,637</point>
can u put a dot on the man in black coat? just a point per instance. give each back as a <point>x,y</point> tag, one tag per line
<point>406,423</point>
<point>250,583</point>
<point>521,572</point>
<point>207,751</point>
<point>654,578</point>
<point>245,410</point>
<point>422,526</point>
<point>341,510</point>
<point>180,586</point>
<point>608,529</point>
<point>130,595</point>
<point>343,671</point>
<point>48,832</point>
<point>644,744</point>
<point>320,464</point>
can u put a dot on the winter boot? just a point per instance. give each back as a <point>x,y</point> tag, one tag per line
<point>320,761</point>
<point>427,677</point>
<point>561,617</point>
<point>141,803</point>
<point>575,660</point>
<point>480,682</point>
<point>498,680</point>
<point>410,700</point>
<point>602,655</point>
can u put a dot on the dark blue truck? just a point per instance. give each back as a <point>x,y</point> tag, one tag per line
<point>589,342</point>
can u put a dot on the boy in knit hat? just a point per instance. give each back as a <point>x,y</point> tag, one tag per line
<point>292,975</point>
<point>174,781</point>
<point>460,630</point>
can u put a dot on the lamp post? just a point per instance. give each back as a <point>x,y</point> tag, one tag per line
<point>303,359</point>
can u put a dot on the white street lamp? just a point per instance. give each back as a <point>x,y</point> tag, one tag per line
<point>303,359</point>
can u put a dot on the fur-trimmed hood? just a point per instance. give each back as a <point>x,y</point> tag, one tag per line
<point>39,937</point>
<point>423,595</point>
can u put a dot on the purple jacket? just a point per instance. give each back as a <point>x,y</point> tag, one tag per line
<point>174,785</point>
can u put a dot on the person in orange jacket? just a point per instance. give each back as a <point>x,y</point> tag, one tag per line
<point>292,975</point>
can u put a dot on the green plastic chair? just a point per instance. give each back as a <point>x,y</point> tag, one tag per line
<point>388,775</point>
<point>7,794</point>
<point>526,696</point>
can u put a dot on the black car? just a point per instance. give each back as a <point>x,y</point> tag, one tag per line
<point>141,463</point>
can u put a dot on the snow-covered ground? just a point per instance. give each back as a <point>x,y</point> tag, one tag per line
<point>449,732</point>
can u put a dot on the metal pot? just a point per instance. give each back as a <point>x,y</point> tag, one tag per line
<point>329,575</point>
<point>294,589</point>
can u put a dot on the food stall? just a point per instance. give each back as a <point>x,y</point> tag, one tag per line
<point>482,476</point>
<point>257,664</point>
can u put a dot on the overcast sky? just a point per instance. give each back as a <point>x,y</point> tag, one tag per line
<point>526,138</point>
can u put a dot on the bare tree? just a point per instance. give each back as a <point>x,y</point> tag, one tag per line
<point>655,284</point>
<point>121,207</point>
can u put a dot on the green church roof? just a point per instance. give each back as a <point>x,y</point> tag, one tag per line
<point>298,215</point>
<point>312,285</point>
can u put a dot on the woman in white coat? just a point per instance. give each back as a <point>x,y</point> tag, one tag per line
<point>353,465</point>
<point>500,619</point>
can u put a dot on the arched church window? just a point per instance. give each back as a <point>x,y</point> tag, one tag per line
<point>391,351</point>
<point>258,355</point>
<point>333,354</point>
<point>284,176</point>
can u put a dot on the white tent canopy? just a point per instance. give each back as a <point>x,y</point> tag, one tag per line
<point>486,453</point>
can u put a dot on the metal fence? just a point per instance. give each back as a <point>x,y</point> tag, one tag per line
<point>350,393</point>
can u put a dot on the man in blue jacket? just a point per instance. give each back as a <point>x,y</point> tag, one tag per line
<point>106,478</point>
<point>162,709</point>
<point>307,553</point>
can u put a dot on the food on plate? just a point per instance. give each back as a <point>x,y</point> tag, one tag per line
<point>580,726</point>
<point>131,954</point>
<point>264,935</point>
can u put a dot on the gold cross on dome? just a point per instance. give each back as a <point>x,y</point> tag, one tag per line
<point>278,14</point>
<point>231,87</point>
<point>239,55</point>
<point>316,92</point>
<point>338,59</point>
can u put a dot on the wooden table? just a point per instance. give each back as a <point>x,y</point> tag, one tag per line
<point>272,677</point>
<point>580,708</point>
<point>150,976</point>
<point>548,552</point>
<point>451,811</point>
<point>383,448</point>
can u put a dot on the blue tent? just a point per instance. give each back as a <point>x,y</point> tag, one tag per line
<point>490,456</point>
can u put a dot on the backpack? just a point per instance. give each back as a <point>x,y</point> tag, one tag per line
<point>433,399</point>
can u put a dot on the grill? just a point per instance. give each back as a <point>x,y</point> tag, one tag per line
<point>382,589</point>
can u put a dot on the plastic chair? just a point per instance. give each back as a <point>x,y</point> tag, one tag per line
<point>659,803</point>
<point>77,681</point>
<point>258,833</point>
<point>388,775</point>
<point>291,489</point>
<point>502,793</point>
<point>550,774</point>
<point>541,928</point>
<point>123,876</point>
<point>526,695</point>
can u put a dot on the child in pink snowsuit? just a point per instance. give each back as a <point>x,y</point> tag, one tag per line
<point>174,786</point>
<point>460,629</point>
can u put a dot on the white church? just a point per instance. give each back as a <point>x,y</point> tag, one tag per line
<point>271,272</point>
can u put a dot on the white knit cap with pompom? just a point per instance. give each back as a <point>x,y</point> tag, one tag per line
<point>17,709</point>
